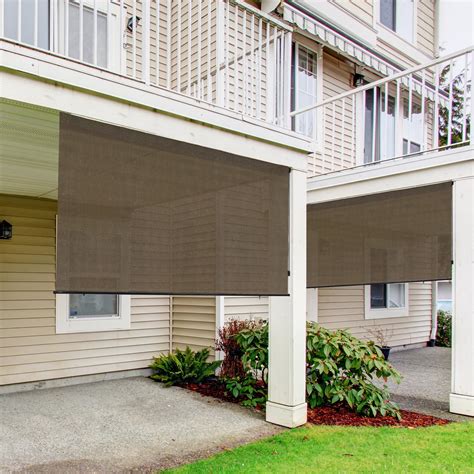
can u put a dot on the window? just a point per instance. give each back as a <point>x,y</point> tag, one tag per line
<point>398,16</point>
<point>87,35</point>
<point>412,128</point>
<point>304,89</point>
<point>386,300</point>
<point>34,25</point>
<point>92,312</point>
<point>379,126</point>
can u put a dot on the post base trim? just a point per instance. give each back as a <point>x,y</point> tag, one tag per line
<point>288,416</point>
<point>461,404</point>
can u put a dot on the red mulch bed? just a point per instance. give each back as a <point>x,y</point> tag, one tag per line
<point>330,415</point>
<point>342,416</point>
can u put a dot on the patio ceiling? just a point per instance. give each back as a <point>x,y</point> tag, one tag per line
<point>28,150</point>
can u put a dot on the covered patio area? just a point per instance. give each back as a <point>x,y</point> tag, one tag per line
<point>132,425</point>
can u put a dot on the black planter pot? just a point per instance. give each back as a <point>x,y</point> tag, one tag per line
<point>385,351</point>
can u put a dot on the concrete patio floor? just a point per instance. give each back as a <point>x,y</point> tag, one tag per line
<point>122,425</point>
<point>426,382</point>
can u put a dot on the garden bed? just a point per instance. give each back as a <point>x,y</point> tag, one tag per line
<point>336,415</point>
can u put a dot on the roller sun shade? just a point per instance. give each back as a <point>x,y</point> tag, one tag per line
<point>397,236</point>
<point>144,214</point>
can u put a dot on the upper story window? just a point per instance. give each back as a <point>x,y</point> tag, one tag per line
<point>27,21</point>
<point>398,16</point>
<point>304,89</point>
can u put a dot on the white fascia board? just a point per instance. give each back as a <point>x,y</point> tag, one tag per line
<point>65,85</point>
<point>437,167</point>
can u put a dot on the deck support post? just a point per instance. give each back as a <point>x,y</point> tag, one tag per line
<point>461,399</point>
<point>286,404</point>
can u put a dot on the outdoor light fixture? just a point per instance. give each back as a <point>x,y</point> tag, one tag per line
<point>6,230</point>
<point>132,23</point>
<point>358,79</point>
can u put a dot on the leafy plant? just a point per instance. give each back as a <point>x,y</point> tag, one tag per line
<point>232,365</point>
<point>444,331</point>
<point>249,389</point>
<point>341,369</point>
<point>183,366</point>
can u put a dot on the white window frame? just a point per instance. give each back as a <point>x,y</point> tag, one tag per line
<point>393,37</point>
<point>115,31</point>
<point>318,113</point>
<point>66,324</point>
<point>382,313</point>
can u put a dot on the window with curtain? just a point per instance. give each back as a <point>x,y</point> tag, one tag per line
<point>385,300</point>
<point>398,16</point>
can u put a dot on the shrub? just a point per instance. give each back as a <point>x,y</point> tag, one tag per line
<point>232,365</point>
<point>341,369</point>
<point>248,389</point>
<point>183,366</point>
<point>444,331</point>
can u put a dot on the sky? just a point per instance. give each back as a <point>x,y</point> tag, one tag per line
<point>456,25</point>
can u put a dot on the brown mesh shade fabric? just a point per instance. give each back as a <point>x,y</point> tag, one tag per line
<point>144,214</point>
<point>398,236</point>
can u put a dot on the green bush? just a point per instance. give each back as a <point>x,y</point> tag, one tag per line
<point>183,366</point>
<point>341,369</point>
<point>444,331</point>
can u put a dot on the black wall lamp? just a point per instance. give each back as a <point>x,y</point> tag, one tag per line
<point>132,23</point>
<point>6,230</point>
<point>358,79</point>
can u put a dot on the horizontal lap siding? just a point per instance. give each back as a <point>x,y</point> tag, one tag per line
<point>246,307</point>
<point>343,308</point>
<point>194,322</point>
<point>362,9</point>
<point>30,349</point>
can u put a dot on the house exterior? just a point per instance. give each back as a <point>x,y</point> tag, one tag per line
<point>231,76</point>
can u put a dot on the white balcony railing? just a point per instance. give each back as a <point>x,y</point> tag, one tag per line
<point>223,52</point>
<point>424,108</point>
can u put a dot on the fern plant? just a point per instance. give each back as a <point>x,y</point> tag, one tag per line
<point>183,367</point>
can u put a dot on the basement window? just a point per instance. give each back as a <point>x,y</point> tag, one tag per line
<point>386,300</point>
<point>92,312</point>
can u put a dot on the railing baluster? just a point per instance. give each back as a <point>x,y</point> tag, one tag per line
<point>123,65</point>
<point>436,110</point>
<point>259,68</point>
<point>146,41</point>
<point>244,60</point>
<point>178,51</point>
<point>134,39</point>
<point>81,30</point>
<point>158,31</point>
<point>353,134</point>
<point>277,82</point>
<point>94,35</point>
<point>168,43</point>
<point>450,104</point>
<point>423,98</point>
<point>226,53</point>
<point>35,24</point>
<point>190,52</point>
<point>19,20</point>
<point>236,59</point>
<point>267,68</point>
<point>66,29</point>
<point>199,52</point>
<point>385,145</point>
<point>374,123</point>
<point>464,108</point>
<point>343,130</point>
<point>410,112</point>
<point>209,34</point>
<point>252,64</point>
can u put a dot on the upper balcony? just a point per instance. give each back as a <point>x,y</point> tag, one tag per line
<point>228,57</point>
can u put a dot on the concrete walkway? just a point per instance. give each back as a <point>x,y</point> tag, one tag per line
<point>119,425</point>
<point>426,382</point>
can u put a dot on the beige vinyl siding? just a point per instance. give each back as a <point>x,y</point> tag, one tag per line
<point>361,9</point>
<point>343,308</point>
<point>194,322</point>
<point>246,307</point>
<point>30,349</point>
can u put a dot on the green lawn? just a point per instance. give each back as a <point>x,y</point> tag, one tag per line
<point>328,449</point>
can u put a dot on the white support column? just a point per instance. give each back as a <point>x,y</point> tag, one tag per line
<point>461,399</point>
<point>286,404</point>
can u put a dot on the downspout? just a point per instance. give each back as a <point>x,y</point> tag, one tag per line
<point>434,313</point>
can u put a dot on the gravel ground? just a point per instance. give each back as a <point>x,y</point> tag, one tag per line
<point>128,425</point>
<point>426,382</point>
